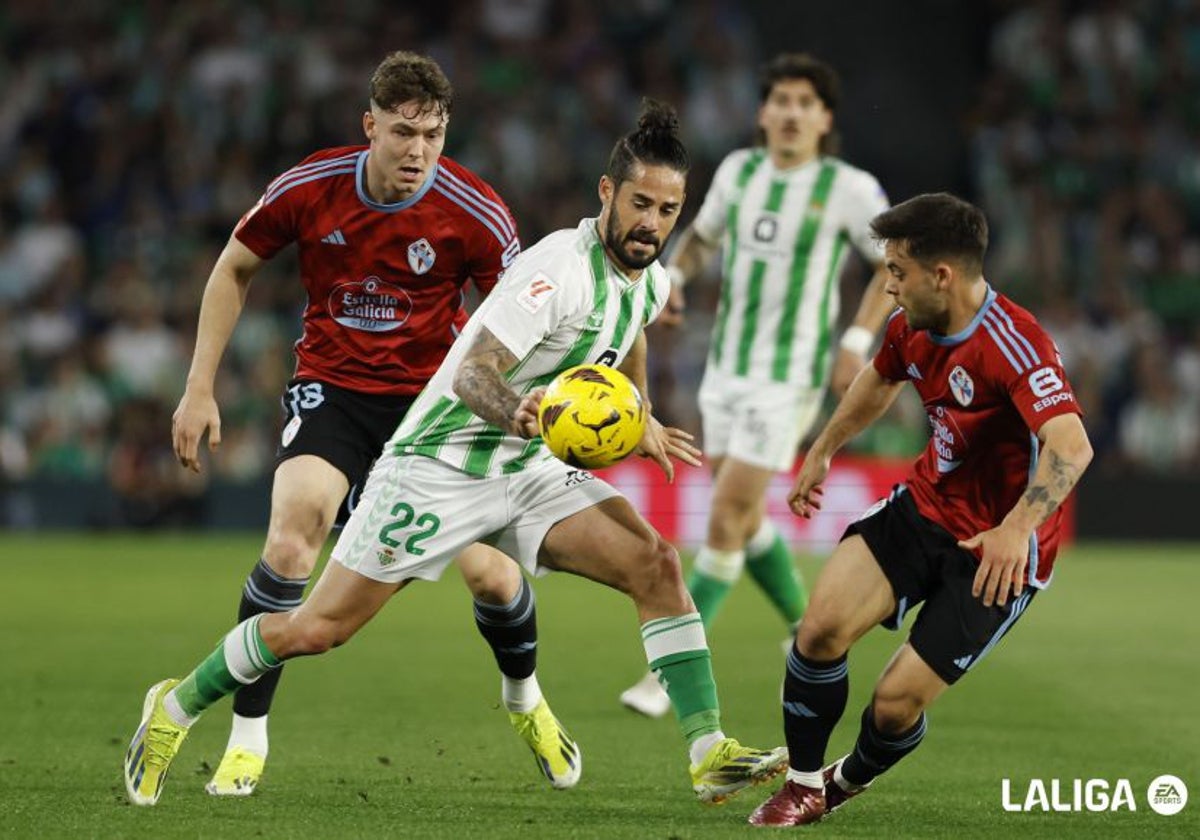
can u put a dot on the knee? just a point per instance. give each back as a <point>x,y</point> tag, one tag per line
<point>655,574</point>
<point>820,635</point>
<point>732,517</point>
<point>309,635</point>
<point>292,553</point>
<point>494,582</point>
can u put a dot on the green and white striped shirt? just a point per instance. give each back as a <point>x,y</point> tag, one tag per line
<point>562,303</point>
<point>784,234</point>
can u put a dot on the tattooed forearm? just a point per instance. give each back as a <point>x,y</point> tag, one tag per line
<point>1052,483</point>
<point>480,381</point>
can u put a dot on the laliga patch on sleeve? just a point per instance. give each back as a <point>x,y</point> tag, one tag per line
<point>534,296</point>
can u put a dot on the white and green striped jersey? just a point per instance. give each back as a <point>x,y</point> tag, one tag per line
<point>562,303</point>
<point>784,235</point>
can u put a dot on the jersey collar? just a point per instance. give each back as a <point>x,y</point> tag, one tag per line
<point>969,330</point>
<point>360,180</point>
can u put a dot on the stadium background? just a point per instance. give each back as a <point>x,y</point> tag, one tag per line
<point>132,136</point>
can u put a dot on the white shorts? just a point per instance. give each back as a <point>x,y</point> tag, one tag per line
<point>759,423</point>
<point>416,514</point>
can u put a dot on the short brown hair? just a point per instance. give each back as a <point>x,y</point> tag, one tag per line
<point>405,76</point>
<point>936,226</point>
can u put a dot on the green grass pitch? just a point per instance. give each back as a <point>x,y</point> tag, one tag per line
<point>401,734</point>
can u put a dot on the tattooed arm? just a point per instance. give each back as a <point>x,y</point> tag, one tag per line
<point>1004,549</point>
<point>480,383</point>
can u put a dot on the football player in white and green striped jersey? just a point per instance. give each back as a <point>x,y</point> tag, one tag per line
<point>468,467</point>
<point>782,215</point>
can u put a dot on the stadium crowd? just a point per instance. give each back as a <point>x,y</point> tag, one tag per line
<point>130,143</point>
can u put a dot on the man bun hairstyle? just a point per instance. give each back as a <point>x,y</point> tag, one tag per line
<point>936,226</point>
<point>405,76</point>
<point>655,142</point>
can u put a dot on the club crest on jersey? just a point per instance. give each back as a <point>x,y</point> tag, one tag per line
<point>961,386</point>
<point>421,256</point>
<point>535,294</point>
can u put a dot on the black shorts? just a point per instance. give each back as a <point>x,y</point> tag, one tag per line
<point>344,428</point>
<point>923,562</point>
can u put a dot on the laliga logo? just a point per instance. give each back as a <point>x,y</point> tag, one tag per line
<point>1167,795</point>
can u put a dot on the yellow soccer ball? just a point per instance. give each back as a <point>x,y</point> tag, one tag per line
<point>592,416</point>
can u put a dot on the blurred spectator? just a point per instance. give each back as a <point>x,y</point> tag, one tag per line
<point>131,142</point>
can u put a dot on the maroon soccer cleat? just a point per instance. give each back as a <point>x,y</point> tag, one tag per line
<point>835,794</point>
<point>792,804</point>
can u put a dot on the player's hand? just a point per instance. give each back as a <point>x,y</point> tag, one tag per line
<point>1003,554</point>
<point>845,367</point>
<point>196,414</point>
<point>525,417</point>
<point>662,443</point>
<point>805,498</point>
<point>672,314</point>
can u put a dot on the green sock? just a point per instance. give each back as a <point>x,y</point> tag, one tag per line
<point>776,574</point>
<point>240,659</point>
<point>713,575</point>
<point>678,653</point>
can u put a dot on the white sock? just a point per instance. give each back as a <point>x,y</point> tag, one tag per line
<point>808,780</point>
<point>249,733</point>
<point>700,747</point>
<point>520,695</point>
<point>718,564</point>
<point>175,712</point>
<point>763,538</point>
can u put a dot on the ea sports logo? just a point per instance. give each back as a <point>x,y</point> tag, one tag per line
<point>1167,795</point>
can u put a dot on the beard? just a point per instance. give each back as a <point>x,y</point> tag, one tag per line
<point>617,244</point>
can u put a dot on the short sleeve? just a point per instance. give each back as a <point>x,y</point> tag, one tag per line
<point>1032,372</point>
<point>714,212</point>
<point>271,224</point>
<point>865,199</point>
<point>496,245</point>
<point>530,304</point>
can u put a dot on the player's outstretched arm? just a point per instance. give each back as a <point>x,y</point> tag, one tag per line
<point>868,398</point>
<point>479,382</point>
<point>224,297</point>
<point>1004,550</point>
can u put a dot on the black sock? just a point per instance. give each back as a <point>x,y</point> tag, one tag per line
<point>814,697</point>
<point>511,630</point>
<point>875,752</point>
<point>265,592</point>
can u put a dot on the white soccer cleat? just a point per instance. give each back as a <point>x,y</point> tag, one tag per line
<point>647,697</point>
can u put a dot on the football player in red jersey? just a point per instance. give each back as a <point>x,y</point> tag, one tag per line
<point>972,532</point>
<point>388,235</point>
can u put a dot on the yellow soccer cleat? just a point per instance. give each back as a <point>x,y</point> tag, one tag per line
<point>238,773</point>
<point>558,756</point>
<point>728,767</point>
<point>152,748</point>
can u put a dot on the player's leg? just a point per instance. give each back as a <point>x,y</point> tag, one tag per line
<point>785,416</point>
<point>952,633</point>
<point>609,543</point>
<point>305,497</point>
<point>850,597</point>
<point>340,604</point>
<point>506,616</point>
<point>893,725</point>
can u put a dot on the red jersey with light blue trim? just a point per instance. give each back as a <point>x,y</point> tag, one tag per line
<point>384,281</point>
<point>987,391</point>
